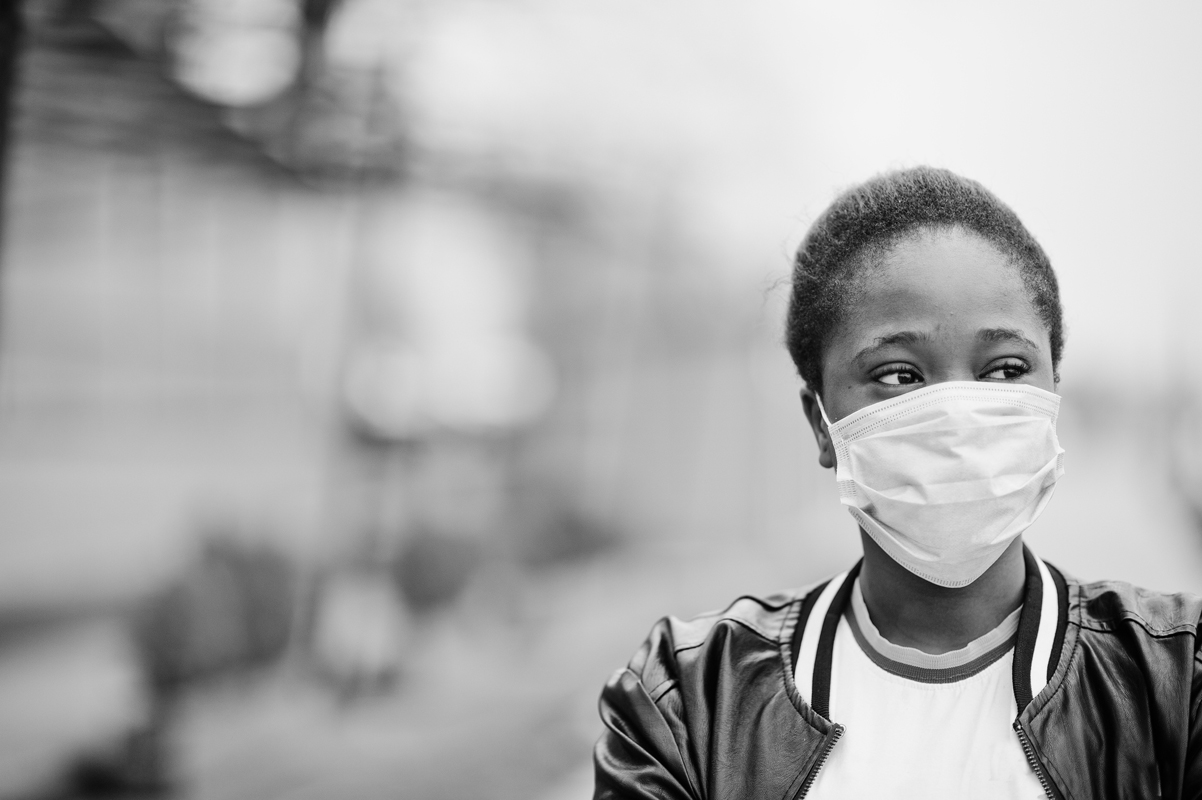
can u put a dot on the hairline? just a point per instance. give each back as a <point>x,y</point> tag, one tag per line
<point>856,267</point>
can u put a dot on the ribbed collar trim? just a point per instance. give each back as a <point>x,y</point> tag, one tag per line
<point>912,663</point>
<point>1042,622</point>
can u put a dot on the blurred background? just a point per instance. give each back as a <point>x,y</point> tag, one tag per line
<point>374,373</point>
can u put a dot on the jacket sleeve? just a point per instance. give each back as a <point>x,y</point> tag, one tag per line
<point>1192,784</point>
<point>638,755</point>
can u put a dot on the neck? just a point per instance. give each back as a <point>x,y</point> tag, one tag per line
<point>913,612</point>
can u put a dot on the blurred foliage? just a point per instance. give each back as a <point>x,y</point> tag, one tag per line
<point>230,610</point>
<point>432,568</point>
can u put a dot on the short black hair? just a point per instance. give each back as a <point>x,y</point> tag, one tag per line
<point>873,216</point>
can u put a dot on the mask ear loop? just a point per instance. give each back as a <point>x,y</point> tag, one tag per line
<point>825,419</point>
<point>822,410</point>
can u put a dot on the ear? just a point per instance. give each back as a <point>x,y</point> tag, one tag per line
<point>826,451</point>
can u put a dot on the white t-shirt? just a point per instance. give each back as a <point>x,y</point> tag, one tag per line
<point>923,726</point>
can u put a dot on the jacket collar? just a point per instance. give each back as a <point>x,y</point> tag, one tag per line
<point>1041,630</point>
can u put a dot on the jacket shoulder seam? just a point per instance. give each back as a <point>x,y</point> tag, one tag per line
<point>759,601</point>
<point>663,686</point>
<point>734,621</point>
<point>1100,626</point>
<point>708,621</point>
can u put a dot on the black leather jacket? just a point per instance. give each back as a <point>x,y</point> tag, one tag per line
<point>709,708</point>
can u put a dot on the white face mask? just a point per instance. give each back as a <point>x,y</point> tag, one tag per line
<point>944,478</point>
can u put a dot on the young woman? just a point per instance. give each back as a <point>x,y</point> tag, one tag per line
<point>950,662</point>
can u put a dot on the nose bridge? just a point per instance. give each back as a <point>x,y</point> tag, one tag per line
<point>946,373</point>
<point>948,357</point>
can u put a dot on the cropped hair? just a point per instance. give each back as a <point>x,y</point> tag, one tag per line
<point>868,219</point>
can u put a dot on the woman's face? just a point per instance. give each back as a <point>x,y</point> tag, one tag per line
<point>942,305</point>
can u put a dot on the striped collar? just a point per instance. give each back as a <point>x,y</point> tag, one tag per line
<point>1041,627</point>
<point>914,664</point>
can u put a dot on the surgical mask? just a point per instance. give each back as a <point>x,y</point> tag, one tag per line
<point>944,478</point>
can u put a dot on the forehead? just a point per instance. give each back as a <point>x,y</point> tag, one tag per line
<point>947,279</point>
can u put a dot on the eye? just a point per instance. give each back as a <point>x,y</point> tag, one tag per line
<point>897,375</point>
<point>1006,370</point>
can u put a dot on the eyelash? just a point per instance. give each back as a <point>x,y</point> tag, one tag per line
<point>895,369</point>
<point>1017,365</point>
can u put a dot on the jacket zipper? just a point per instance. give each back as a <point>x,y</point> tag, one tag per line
<point>1032,760</point>
<point>822,757</point>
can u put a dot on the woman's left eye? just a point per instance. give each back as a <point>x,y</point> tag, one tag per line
<point>1005,371</point>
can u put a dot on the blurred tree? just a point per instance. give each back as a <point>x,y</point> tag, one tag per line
<point>10,40</point>
<point>317,13</point>
<point>229,611</point>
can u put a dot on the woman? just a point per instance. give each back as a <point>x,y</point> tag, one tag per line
<point>950,661</point>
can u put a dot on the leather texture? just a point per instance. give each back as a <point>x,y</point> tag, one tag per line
<point>708,708</point>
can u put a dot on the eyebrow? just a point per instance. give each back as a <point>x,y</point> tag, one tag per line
<point>901,337</point>
<point>918,337</point>
<point>1005,335</point>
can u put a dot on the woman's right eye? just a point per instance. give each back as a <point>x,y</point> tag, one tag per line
<point>897,375</point>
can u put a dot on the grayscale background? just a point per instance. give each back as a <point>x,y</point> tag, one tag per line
<point>374,373</point>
